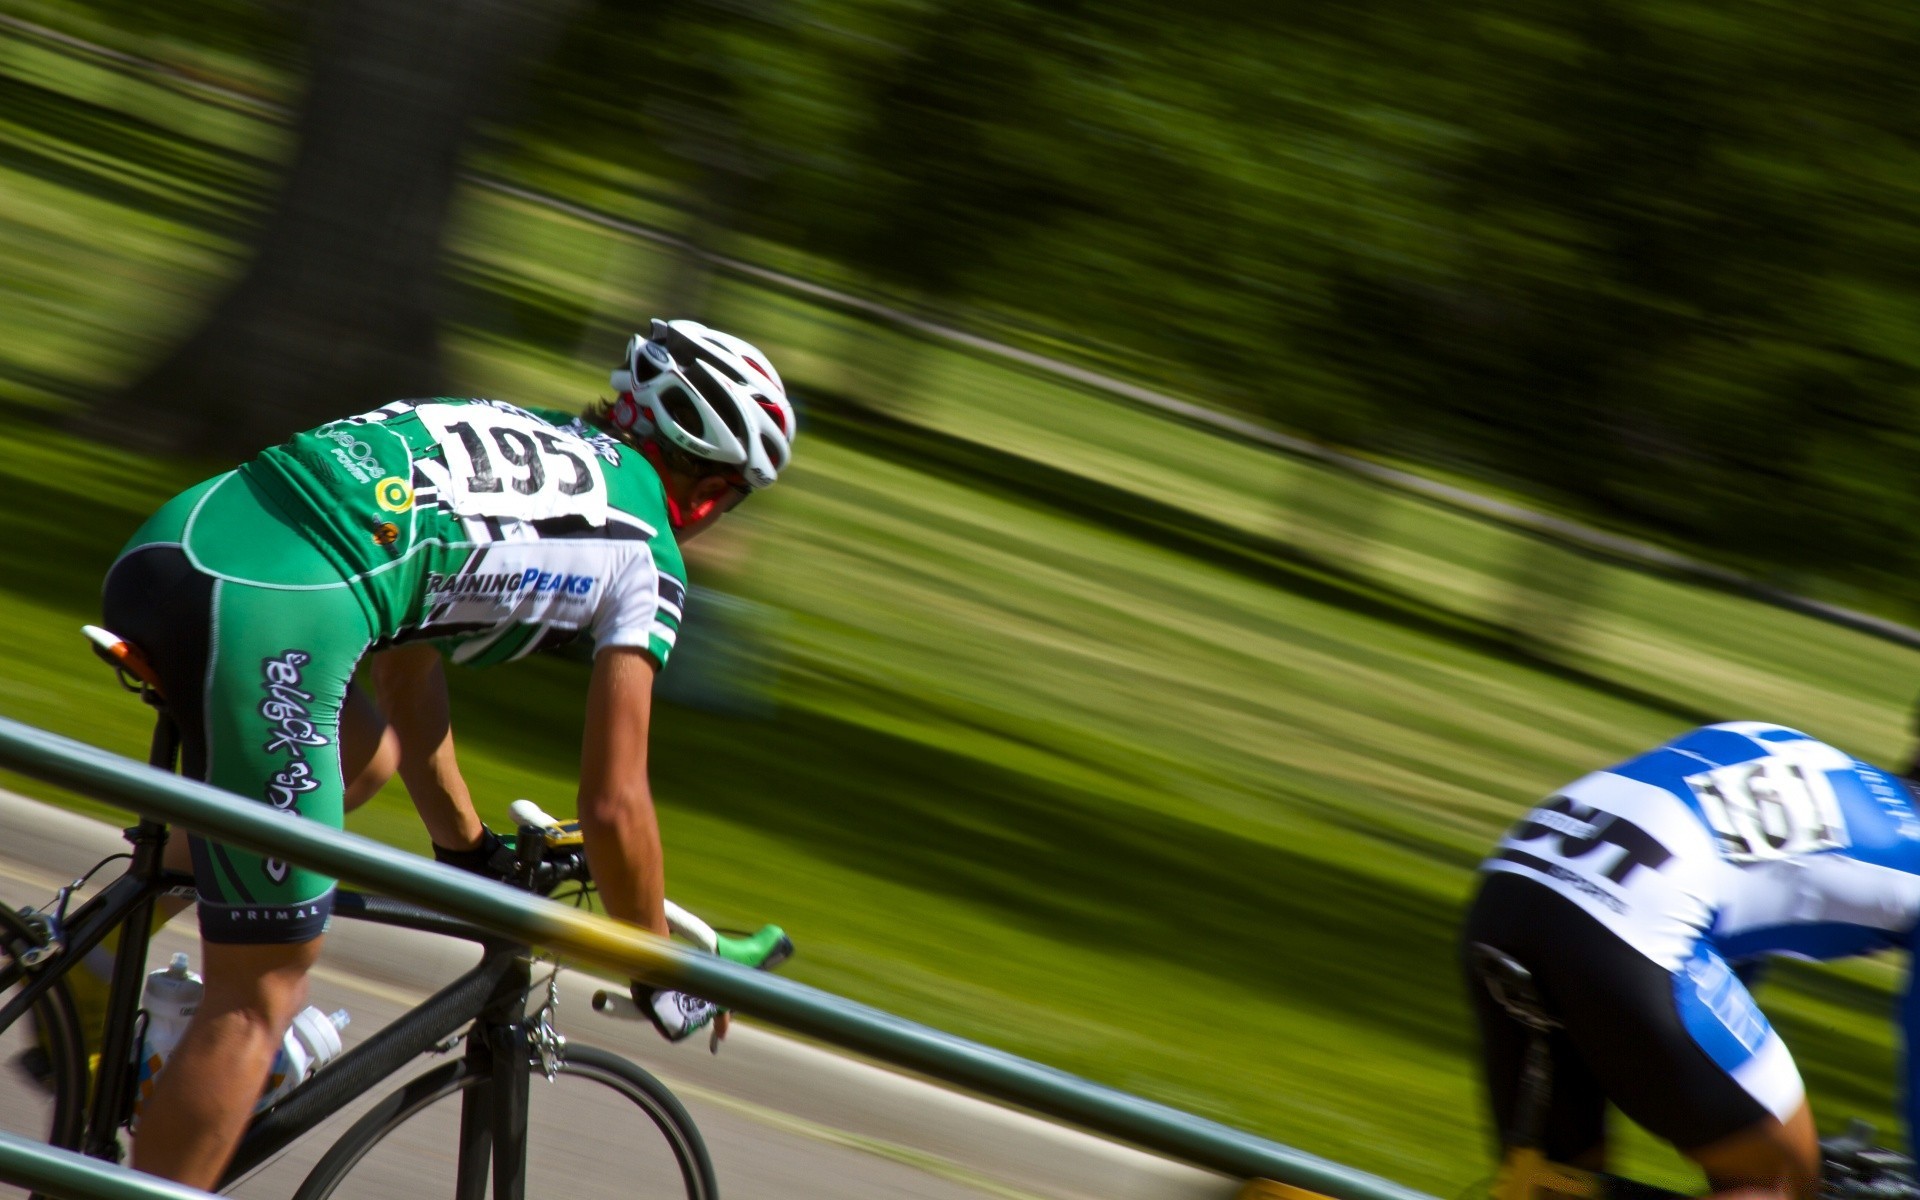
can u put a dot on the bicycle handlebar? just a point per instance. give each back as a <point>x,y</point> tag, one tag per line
<point>547,854</point>
<point>544,868</point>
<point>550,855</point>
<point>1853,1168</point>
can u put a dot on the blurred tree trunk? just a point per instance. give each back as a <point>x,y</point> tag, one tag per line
<point>340,309</point>
<point>698,110</point>
<point>687,290</point>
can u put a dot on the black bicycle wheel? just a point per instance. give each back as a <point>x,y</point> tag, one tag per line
<point>43,1050</point>
<point>579,1145</point>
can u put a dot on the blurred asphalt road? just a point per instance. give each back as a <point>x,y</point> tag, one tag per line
<point>782,1118</point>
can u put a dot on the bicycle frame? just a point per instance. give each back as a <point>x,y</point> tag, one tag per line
<point>127,904</point>
<point>493,994</point>
<point>491,997</point>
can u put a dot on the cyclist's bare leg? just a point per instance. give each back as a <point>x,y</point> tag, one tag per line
<point>1769,1160</point>
<point>205,1094</point>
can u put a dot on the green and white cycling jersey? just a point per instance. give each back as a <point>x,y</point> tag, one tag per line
<point>490,530</point>
<point>494,530</point>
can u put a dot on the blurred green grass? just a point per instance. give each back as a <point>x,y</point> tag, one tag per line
<point>1099,738</point>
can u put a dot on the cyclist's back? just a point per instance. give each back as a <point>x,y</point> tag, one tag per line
<point>491,530</point>
<point>1757,834</point>
<point>496,529</point>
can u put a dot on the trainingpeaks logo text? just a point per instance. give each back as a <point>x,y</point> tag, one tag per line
<point>508,586</point>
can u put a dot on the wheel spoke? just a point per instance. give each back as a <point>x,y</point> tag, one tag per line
<point>601,1127</point>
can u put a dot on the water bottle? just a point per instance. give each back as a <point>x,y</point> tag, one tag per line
<point>310,1044</point>
<point>170,997</point>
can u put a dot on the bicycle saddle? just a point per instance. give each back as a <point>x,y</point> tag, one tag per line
<point>1511,986</point>
<point>123,656</point>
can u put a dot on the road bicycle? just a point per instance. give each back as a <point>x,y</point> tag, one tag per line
<point>1852,1167</point>
<point>495,1015</point>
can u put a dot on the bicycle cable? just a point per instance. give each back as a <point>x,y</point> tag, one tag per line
<point>81,882</point>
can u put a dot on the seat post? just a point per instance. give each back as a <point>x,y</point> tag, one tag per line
<point>1511,986</point>
<point>163,750</point>
<point>149,837</point>
<point>1536,1093</point>
<point>113,1088</point>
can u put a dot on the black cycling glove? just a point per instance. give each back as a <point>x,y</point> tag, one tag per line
<point>493,857</point>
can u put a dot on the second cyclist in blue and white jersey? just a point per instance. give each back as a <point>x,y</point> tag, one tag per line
<point>1631,894</point>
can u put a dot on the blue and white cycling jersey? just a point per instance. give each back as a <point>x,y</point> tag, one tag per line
<point>1731,842</point>
<point>1754,835</point>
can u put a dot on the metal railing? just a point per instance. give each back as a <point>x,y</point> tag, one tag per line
<point>628,951</point>
<point>51,1172</point>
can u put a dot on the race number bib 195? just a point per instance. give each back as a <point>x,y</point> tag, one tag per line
<point>504,463</point>
<point>1771,808</point>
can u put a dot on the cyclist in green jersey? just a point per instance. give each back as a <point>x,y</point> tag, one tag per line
<point>473,531</point>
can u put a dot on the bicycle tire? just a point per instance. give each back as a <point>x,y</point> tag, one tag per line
<point>646,1092</point>
<point>61,1045</point>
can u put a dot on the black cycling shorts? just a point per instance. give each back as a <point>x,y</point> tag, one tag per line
<point>255,674</point>
<point>1625,1037</point>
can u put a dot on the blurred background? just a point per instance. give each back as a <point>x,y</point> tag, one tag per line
<point>1123,740</point>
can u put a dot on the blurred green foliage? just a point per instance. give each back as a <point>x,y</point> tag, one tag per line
<point>1648,260</point>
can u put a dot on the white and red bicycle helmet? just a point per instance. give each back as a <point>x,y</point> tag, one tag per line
<point>712,395</point>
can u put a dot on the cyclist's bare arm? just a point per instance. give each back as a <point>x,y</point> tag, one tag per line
<point>413,695</point>
<point>369,748</point>
<point>616,804</point>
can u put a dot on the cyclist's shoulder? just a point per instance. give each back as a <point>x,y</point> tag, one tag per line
<point>424,423</point>
<point>1727,743</point>
<point>1782,749</point>
<point>403,412</point>
<point>1771,791</point>
<point>1679,763</point>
